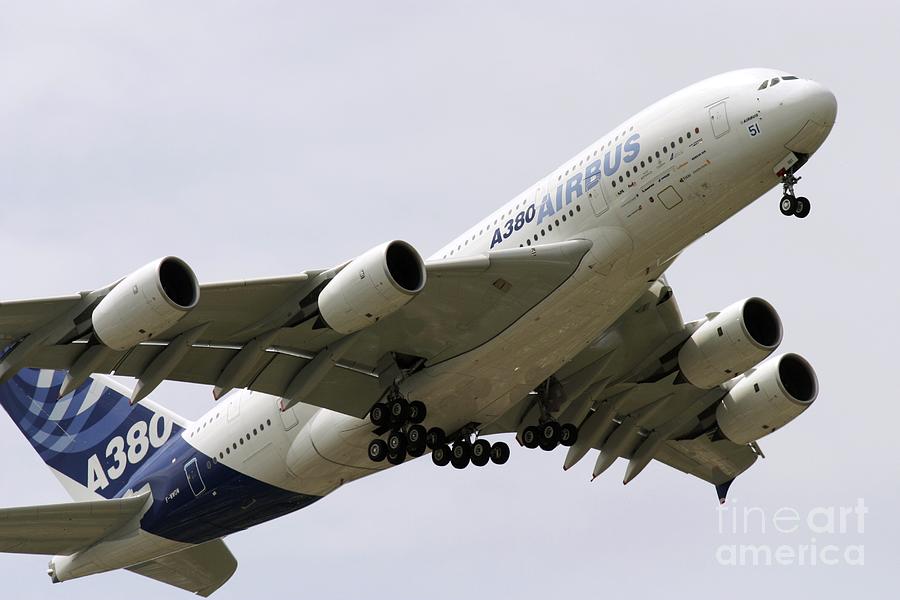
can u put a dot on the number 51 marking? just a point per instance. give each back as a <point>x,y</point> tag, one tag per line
<point>753,129</point>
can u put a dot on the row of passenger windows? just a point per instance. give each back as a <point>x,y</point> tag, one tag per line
<point>487,227</point>
<point>204,424</point>
<point>658,153</point>
<point>550,225</point>
<point>774,81</point>
<point>621,179</point>
<point>234,445</point>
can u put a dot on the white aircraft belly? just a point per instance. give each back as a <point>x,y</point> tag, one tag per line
<point>482,384</point>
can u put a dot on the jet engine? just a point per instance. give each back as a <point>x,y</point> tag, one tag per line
<point>731,342</point>
<point>146,303</point>
<point>767,398</point>
<point>372,286</point>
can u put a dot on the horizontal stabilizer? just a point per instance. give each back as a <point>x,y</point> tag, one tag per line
<point>200,569</point>
<point>64,528</point>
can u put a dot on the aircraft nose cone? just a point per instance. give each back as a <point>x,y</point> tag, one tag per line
<point>820,104</point>
<point>812,110</point>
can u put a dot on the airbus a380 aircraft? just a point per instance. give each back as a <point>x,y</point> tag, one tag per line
<point>549,318</point>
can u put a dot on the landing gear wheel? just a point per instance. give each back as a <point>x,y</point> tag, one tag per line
<point>549,434</point>
<point>460,455</point>
<point>417,412</point>
<point>481,453</point>
<point>802,207</point>
<point>398,409</point>
<point>499,453</point>
<point>379,415</point>
<point>530,437</point>
<point>378,450</point>
<point>548,445</point>
<point>568,435</point>
<point>396,458</point>
<point>441,455</point>
<point>415,440</point>
<point>435,438</point>
<point>396,442</point>
<point>788,205</point>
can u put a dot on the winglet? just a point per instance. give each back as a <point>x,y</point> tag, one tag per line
<point>722,490</point>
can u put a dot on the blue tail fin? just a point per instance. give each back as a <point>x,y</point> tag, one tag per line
<point>92,439</point>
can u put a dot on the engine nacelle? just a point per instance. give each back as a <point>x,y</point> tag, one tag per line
<point>731,342</point>
<point>372,286</point>
<point>767,399</point>
<point>146,303</point>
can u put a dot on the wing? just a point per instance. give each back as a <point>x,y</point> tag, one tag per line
<point>201,569</point>
<point>624,394</point>
<point>262,334</point>
<point>64,528</point>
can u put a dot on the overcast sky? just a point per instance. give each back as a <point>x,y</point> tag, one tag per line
<point>263,138</point>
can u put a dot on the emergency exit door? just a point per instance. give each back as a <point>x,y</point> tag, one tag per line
<point>718,118</point>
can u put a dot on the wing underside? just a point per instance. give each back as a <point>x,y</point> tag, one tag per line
<point>261,334</point>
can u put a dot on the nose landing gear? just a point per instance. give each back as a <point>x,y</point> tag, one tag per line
<point>790,203</point>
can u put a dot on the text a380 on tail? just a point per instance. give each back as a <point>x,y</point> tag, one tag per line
<point>550,318</point>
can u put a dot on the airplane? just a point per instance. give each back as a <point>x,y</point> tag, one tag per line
<point>551,319</point>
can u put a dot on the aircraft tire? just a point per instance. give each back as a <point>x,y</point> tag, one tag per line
<point>481,453</point>
<point>499,453</point>
<point>378,450</point>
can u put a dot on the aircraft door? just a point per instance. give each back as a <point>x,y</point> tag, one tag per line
<point>597,196</point>
<point>288,417</point>
<point>718,118</point>
<point>192,471</point>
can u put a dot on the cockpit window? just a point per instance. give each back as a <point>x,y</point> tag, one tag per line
<point>763,85</point>
<point>775,81</point>
<point>788,77</point>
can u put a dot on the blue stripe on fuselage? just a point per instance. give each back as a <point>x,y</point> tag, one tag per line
<point>230,502</point>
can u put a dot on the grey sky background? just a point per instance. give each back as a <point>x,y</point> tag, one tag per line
<point>264,138</point>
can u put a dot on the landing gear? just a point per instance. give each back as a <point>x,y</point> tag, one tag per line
<point>435,438</point>
<point>461,454</point>
<point>378,450</point>
<point>402,422</point>
<point>530,437</point>
<point>396,457</point>
<point>791,204</point>
<point>417,411</point>
<point>499,453</point>
<point>441,455</point>
<point>415,440</point>
<point>379,415</point>
<point>464,452</point>
<point>407,436</point>
<point>481,453</point>
<point>788,205</point>
<point>568,435</point>
<point>549,435</point>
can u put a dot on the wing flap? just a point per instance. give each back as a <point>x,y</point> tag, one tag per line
<point>716,462</point>
<point>200,569</point>
<point>64,528</point>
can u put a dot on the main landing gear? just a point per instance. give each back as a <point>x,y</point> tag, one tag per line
<point>790,203</point>
<point>408,437</point>
<point>548,435</point>
<point>464,452</point>
<point>404,420</point>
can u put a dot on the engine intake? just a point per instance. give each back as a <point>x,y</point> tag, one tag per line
<point>731,342</point>
<point>372,286</point>
<point>767,399</point>
<point>146,303</point>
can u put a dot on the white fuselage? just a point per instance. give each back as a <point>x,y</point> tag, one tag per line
<point>665,177</point>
